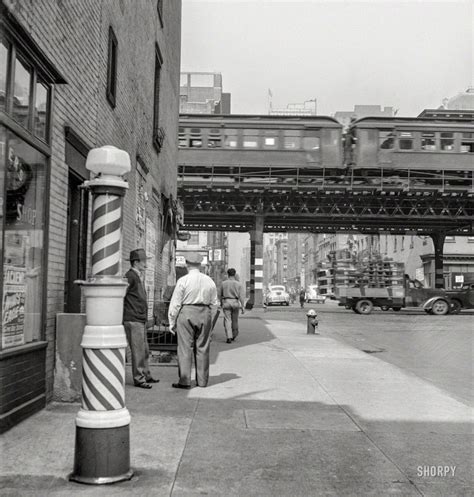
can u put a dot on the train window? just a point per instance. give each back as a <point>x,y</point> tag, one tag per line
<point>386,139</point>
<point>311,142</point>
<point>447,141</point>
<point>405,140</point>
<point>195,139</point>
<point>230,138</point>
<point>214,139</point>
<point>428,141</point>
<point>292,139</point>
<point>183,140</point>
<point>467,143</point>
<point>250,138</point>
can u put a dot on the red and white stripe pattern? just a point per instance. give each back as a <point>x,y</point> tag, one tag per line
<point>103,379</point>
<point>106,235</point>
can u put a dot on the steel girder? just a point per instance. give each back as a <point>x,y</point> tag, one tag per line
<point>368,211</point>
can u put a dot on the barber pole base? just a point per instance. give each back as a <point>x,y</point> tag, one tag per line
<point>102,456</point>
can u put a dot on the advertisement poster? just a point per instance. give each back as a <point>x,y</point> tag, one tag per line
<point>150,248</point>
<point>13,307</point>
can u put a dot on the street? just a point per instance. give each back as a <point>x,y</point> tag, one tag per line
<point>285,414</point>
<point>438,349</point>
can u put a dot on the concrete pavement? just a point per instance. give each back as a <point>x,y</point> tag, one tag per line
<point>285,414</point>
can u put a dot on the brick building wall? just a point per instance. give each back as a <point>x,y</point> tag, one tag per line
<point>73,35</point>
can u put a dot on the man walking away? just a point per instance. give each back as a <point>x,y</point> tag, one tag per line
<point>302,297</point>
<point>135,310</point>
<point>190,315</point>
<point>232,301</point>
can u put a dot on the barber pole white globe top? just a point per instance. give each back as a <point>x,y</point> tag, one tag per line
<point>109,161</point>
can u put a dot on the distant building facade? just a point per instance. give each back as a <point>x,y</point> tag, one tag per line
<point>201,93</point>
<point>308,108</point>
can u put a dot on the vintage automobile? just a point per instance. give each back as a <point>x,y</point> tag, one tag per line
<point>277,295</point>
<point>452,302</point>
<point>312,295</point>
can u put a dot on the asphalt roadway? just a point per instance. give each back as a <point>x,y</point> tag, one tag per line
<point>439,349</point>
<point>285,414</point>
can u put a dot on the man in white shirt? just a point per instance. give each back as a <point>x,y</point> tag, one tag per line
<point>190,315</point>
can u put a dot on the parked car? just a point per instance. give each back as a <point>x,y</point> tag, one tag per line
<point>452,302</point>
<point>312,295</point>
<point>277,295</point>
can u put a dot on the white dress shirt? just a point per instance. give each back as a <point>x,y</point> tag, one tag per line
<point>194,288</point>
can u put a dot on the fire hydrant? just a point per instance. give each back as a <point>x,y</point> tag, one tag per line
<point>312,324</point>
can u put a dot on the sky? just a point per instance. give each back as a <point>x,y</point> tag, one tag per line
<point>403,54</point>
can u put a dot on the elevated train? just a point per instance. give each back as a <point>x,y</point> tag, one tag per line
<point>284,151</point>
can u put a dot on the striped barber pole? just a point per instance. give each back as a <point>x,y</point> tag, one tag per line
<point>103,382</point>
<point>106,235</point>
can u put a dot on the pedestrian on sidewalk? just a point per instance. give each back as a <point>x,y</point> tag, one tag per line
<point>302,297</point>
<point>135,312</point>
<point>192,308</point>
<point>232,302</point>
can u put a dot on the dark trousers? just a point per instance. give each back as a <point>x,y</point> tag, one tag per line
<point>136,337</point>
<point>194,333</point>
<point>231,308</point>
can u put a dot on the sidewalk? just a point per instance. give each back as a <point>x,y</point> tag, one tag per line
<point>285,414</point>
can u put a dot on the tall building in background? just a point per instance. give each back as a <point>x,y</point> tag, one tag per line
<point>201,93</point>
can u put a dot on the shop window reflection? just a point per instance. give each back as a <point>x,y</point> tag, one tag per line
<point>23,244</point>
<point>21,95</point>
<point>41,110</point>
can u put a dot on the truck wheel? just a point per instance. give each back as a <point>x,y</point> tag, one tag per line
<point>456,307</point>
<point>354,308</point>
<point>440,307</point>
<point>364,306</point>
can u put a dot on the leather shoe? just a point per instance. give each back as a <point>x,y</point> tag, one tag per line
<point>143,385</point>
<point>229,340</point>
<point>178,385</point>
<point>152,380</point>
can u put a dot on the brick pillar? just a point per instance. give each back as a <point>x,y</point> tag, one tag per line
<point>438,243</point>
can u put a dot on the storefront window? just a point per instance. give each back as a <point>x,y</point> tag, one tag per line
<point>41,110</point>
<point>21,94</point>
<point>23,270</point>
<point>3,73</point>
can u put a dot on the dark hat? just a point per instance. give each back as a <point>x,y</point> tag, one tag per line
<point>193,258</point>
<point>138,255</point>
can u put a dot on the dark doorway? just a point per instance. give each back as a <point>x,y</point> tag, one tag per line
<point>76,250</point>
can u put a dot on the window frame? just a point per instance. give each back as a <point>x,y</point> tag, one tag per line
<point>158,131</point>
<point>159,8</point>
<point>112,64</point>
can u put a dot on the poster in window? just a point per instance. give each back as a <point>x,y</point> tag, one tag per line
<point>13,307</point>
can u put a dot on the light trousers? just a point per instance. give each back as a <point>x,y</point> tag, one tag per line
<point>194,333</point>
<point>231,309</point>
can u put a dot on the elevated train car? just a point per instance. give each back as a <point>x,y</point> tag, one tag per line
<point>392,153</point>
<point>411,153</point>
<point>260,149</point>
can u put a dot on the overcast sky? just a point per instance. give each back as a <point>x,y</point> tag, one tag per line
<point>404,54</point>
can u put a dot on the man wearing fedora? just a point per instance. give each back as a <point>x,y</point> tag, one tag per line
<point>192,308</point>
<point>135,313</point>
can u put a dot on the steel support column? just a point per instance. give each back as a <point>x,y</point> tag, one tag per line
<point>438,244</point>
<point>256,256</point>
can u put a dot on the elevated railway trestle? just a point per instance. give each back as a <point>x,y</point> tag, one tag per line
<point>260,173</point>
